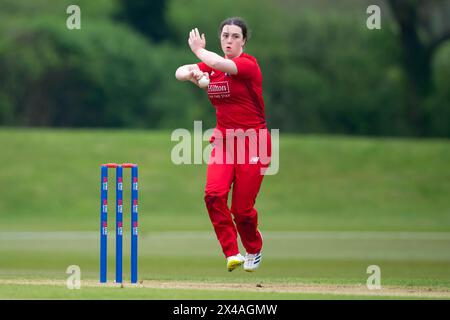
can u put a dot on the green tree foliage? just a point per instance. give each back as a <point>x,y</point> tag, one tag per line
<point>106,75</point>
<point>86,79</point>
<point>437,105</point>
<point>324,71</point>
<point>423,26</point>
<point>148,17</point>
<point>330,81</point>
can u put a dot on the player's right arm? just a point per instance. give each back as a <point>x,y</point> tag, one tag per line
<point>189,72</point>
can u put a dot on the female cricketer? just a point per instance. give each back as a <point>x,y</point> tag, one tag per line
<point>235,90</point>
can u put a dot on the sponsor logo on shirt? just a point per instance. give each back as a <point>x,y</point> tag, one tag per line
<point>220,89</point>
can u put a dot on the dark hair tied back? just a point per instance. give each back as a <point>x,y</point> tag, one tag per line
<point>236,21</point>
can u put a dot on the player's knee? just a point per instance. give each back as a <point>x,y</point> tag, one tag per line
<point>248,219</point>
<point>243,213</point>
<point>209,200</point>
<point>213,199</point>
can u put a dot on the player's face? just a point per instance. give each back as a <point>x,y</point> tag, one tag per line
<point>232,41</point>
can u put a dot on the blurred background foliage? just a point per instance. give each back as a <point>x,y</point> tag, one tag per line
<point>324,70</point>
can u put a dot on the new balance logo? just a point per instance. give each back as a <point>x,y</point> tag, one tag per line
<point>254,160</point>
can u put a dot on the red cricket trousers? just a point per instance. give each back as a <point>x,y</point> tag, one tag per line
<point>237,161</point>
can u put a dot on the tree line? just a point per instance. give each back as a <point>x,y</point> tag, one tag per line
<point>324,71</point>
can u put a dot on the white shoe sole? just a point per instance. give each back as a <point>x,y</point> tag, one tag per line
<point>250,270</point>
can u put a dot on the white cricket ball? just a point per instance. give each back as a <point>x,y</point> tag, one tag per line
<point>203,82</point>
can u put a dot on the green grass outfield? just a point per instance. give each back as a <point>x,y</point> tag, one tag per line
<point>337,205</point>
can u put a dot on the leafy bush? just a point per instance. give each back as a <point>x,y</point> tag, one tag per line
<point>102,75</point>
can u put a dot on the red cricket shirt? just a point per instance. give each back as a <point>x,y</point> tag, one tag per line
<point>237,98</point>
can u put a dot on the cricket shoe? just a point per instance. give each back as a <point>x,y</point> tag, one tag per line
<point>252,261</point>
<point>234,261</point>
